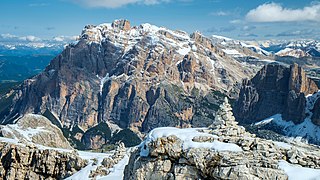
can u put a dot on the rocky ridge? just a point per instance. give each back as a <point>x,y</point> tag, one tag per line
<point>138,77</point>
<point>168,158</point>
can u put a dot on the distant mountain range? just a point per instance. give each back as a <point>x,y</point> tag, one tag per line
<point>19,61</point>
<point>294,48</point>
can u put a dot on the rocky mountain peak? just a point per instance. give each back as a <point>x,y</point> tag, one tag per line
<point>137,77</point>
<point>121,24</point>
<point>275,89</point>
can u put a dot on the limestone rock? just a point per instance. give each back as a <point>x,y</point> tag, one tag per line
<point>36,129</point>
<point>26,162</point>
<point>275,89</point>
<point>109,162</point>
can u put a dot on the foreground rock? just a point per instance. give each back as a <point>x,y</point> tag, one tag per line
<point>29,162</point>
<point>215,153</point>
<point>109,162</point>
<point>36,129</point>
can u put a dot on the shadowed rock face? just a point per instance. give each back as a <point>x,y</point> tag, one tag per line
<point>138,77</point>
<point>274,90</point>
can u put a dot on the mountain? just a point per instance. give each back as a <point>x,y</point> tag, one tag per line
<point>245,48</point>
<point>138,77</point>
<point>294,48</point>
<point>282,98</point>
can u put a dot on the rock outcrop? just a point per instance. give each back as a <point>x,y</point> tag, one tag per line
<point>36,129</point>
<point>29,162</point>
<point>275,89</point>
<point>138,77</point>
<point>215,154</point>
<point>109,162</point>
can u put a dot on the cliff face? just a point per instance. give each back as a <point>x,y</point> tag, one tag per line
<point>274,90</point>
<point>139,77</point>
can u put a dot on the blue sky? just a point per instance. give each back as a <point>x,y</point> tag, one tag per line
<point>240,19</point>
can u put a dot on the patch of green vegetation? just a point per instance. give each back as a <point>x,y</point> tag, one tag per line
<point>6,87</point>
<point>128,137</point>
<point>108,147</point>
<point>5,104</point>
<point>19,68</point>
<point>6,101</point>
<point>69,135</point>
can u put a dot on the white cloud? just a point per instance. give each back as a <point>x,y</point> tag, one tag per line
<point>10,38</point>
<point>236,21</point>
<point>64,38</point>
<point>116,3</point>
<point>273,12</point>
<point>38,4</point>
<point>29,38</point>
<point>220,13</point>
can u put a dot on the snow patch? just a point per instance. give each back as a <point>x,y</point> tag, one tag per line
<point>186,136</point>
<point>117,172</point>
<point>26,133</point>
<point>221,37</point>
<point>282,145</point>
<point>102,81</point>
<point>184,51</point>
<point>305,130</point>
<point>232,52</point>
<point>296,172</point>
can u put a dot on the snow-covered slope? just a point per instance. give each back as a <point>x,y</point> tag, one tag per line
<point>306,130</point>
<point>296,172</point>
<point>239,48</point>
<point>293,48</point>
<point>33,128</point>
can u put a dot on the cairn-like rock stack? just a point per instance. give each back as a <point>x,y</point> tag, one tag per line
<point>225,123</point>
